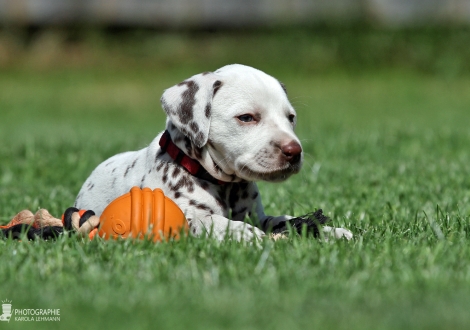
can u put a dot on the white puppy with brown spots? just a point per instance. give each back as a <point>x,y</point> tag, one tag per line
<point>224,131</point>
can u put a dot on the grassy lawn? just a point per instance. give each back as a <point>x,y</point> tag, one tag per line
<point>387,155</point>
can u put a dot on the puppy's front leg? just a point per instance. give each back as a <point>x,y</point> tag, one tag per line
<point>270,222</point>
<point>222,228</point>
<point>267,222</point>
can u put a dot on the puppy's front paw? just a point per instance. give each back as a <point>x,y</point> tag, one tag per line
<point>241,231</point>
<point>337,233</point>
<point>222,228</point>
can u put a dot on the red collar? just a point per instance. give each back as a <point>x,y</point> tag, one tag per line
<point>190,164</point>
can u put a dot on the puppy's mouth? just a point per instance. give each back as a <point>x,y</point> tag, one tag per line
<point>270,175</point>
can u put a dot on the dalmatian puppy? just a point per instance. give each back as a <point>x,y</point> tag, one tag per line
<point>224,131</point>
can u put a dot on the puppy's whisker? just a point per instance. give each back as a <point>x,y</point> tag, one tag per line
<point>306,154</point>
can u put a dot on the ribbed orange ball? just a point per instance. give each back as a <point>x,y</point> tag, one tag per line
<point>143,213</point>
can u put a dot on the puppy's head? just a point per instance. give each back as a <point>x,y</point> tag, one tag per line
<point>237,122</point>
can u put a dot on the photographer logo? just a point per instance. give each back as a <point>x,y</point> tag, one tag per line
<point>28,314</point>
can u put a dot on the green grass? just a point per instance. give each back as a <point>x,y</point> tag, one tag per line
<point>386,155</point>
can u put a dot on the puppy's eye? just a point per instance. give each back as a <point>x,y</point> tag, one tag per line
<point>291,118</point>
<point>246,118</point>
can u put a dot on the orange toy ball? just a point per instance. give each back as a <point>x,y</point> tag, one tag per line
<point>141,213</point>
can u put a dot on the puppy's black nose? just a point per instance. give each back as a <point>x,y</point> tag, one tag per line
<point>291,151</point>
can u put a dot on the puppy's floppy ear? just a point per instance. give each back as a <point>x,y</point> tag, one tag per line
<point>189,104</point>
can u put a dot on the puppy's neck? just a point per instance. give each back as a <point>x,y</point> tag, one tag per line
<point>201,155</point>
